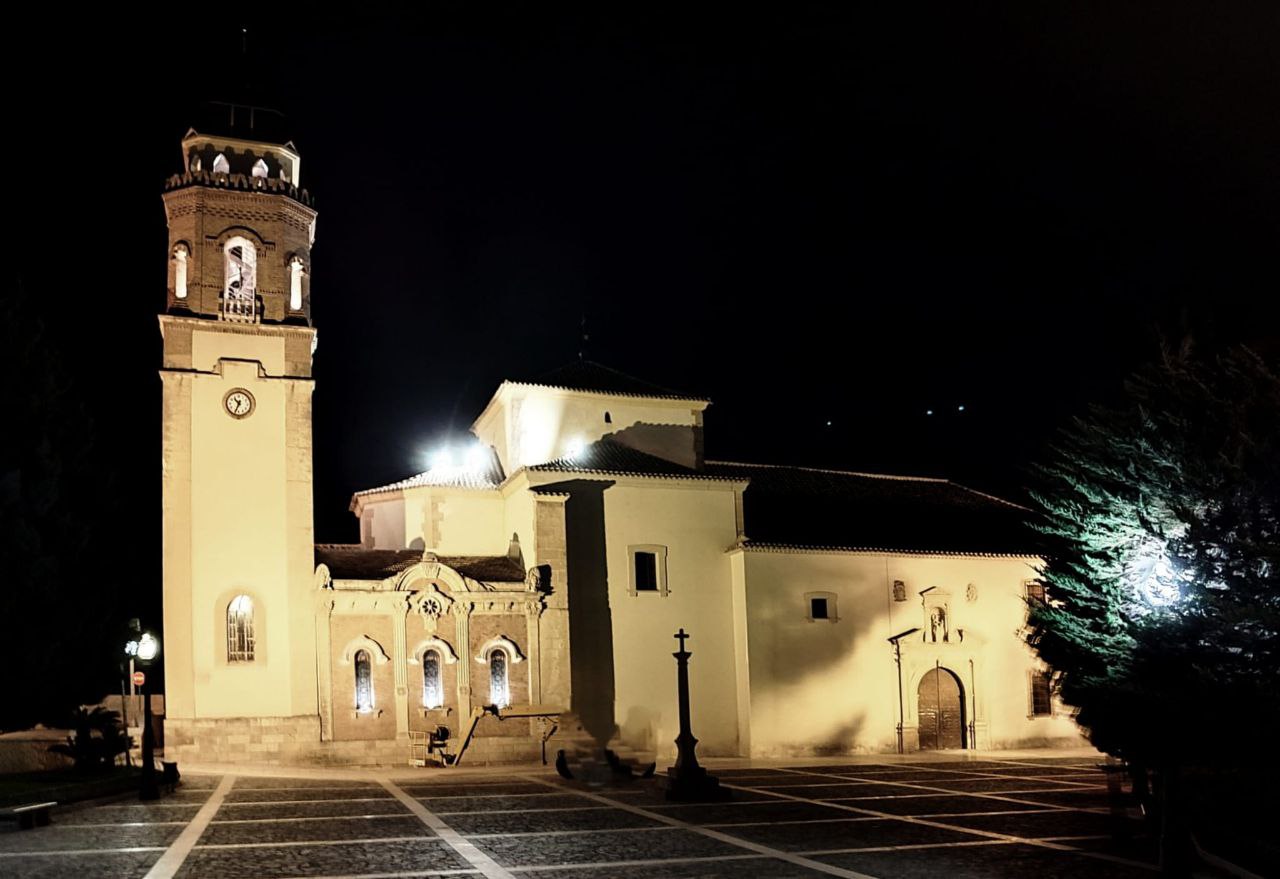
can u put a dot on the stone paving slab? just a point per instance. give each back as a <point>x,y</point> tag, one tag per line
<point>998,785</point>
<point>58,838</point>
<point>737,868</point>
<point>1040,825</point>
<point>983,862</point>
<point>386,806</point>
<point>846,834</point>
<point>129,865</point>
<point>590,848</point>
<point>590,818</point>
<point>655,794</point>
<point>517,803</point>
<point>251,782</point>
<point>744,813</point>
<point>262,795</point>
<point>126,813</point>
<point>320,860</point>
<point>940,804</point>
<point>1077,799</point>
<point>469,790</point>
<point>313,831</point>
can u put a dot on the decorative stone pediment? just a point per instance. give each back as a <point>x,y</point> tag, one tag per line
<point>430,569</point>
<point>500,641</point>
<point>446,650</point>
<point>364,642</point>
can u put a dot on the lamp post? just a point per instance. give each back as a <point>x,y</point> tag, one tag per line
<point>147,650</point>
<point>897,658</point>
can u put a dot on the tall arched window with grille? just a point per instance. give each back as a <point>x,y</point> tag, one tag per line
<point>240,641</point>
<point>499,683</point>
<point>240,269</point>
<point>432,681</point>
<point>364,682</point>
<point>180,254</point>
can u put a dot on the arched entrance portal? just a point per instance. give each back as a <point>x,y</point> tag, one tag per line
<point>941,710</point>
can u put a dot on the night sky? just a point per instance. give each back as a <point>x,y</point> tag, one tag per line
<point>813,216</point>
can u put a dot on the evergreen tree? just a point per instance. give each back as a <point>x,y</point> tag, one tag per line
<point>1162,519</point>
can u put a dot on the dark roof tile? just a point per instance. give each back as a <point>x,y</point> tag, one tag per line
<point>353,562</point>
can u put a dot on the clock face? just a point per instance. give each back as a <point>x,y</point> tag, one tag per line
<point>239,403</point>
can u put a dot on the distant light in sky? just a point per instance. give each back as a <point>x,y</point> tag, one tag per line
<point>828,424</point>
<point>960,408</point>
<point>928,412</point>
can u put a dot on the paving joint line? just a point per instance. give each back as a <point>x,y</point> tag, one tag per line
<point>176,854</point>
<point>488,867</point>
<point>768,851</point>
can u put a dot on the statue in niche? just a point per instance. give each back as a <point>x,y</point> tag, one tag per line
<point>938,624</point>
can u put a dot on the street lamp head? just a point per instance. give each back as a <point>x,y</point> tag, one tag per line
<point>148,647</point>
<point>898,637</point>
<point>131,648</point>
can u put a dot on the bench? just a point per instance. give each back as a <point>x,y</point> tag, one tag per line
<point>28,815</point>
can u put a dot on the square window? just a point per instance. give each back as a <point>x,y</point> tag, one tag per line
<point>818,608</point>
<point>646,572</point>
<point>821,606</point>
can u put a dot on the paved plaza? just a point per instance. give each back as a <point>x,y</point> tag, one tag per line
<point>957,818</point>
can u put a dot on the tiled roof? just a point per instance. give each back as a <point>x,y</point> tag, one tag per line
<point>587,375</point>
<point>613,458</point>
<point>803,507</point>
<point>354,562</point>
<point>487,476</point>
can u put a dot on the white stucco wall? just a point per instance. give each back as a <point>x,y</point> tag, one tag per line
<point>819,686</point>
<point>695,524</point>
<point>528,425</point>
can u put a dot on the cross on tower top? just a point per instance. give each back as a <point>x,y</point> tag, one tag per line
<point>681,636</point>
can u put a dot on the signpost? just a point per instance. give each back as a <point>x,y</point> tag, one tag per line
<point>139,678</point>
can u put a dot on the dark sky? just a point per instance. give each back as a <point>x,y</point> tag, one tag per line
<point>811,216</point>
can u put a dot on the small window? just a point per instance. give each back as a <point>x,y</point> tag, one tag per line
<point>196,164</point>
<point>295,283</point>
<point>180,271</point>
<point>432,683</point>
<point>648,563</point>
<point>260,169</point>
<point>608,419</point>
<point>899,590</point>
<point>821,606</point>
<point>1035,593</point>
<point>364,682</point>
<point>499,684</point>
<point>1041,701</point>
<point>240,640</point>
<point>221,165</point>
<point>646,572</point>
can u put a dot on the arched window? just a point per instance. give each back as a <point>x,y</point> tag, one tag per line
<point>432,682</point>
<point>260,169</point>
<point>499,684</point>
<point>241,269</point>
<point>180,271</point>
<point>221,165</point>
<point>196,164</point>
<point>240,629</point>
<point>295,283</point>
<point>364,682</point>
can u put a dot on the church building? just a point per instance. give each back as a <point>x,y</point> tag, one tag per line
<point>525,589</point>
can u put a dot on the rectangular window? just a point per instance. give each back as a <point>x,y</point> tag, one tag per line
<point>1041,702</point>
<point>648,569</point>
<point>821,606</point>
<point>818,608</point>
<point>1035,592</point>
<point>646,572</point>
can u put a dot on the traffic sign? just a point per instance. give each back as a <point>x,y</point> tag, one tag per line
<point>139,678</point>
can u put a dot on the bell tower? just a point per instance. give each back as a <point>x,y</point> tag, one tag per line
<point>237,497</point>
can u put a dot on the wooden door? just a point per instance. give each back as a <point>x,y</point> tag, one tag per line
<point>940,710</point>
